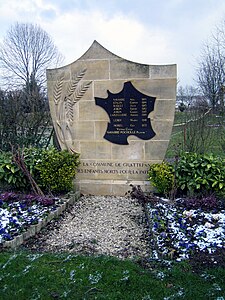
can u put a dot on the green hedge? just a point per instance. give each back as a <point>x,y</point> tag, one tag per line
<point>198,173</point>
<point>56,170</point>
<point>191,174</point>
<point>52,170</point>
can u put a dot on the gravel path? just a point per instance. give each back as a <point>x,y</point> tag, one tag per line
<point>98,225</point>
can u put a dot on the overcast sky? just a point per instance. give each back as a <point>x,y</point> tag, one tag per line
<point>145,31</point>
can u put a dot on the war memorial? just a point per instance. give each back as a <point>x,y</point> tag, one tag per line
<point>116,113</point>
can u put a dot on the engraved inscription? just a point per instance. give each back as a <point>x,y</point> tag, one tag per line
<point>128,112</point>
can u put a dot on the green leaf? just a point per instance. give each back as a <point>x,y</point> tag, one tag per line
<point>221,185</point>
<point>182,186</point>
<point>214,183</point>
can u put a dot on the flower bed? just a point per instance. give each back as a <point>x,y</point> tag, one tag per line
<point>178,232</point>
<point>22,216</point>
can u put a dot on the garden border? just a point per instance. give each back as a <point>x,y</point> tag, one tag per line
<point>34,229</point>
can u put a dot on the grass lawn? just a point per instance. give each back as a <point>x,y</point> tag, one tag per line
<point>26,275</point>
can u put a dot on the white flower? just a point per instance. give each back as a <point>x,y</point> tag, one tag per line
<point>94,278</point>
<point>188,213</point>
<point>209,225</point>
<point>216,217</point>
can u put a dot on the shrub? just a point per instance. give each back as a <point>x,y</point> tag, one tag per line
<point>197,173</point>
<point>192,174</point>
<point>162,177</point>
<point>56,170</point>
<point>11,175</point>
<point>53,170</point>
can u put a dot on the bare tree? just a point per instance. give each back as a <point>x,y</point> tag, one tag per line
<point>186,96</point>
<point>25,54</point>
<point>219,37</point>
<point>211,68</point>
<point>18,127</point>
<point>192,121</point>
<point>211,75</point>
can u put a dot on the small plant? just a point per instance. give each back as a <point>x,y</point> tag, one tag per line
<point>28,199</point>
<point>56,170</point>
<point>162,177</point>
<point>200,174</point>
<point>207,203</point>
<point>10,173</point>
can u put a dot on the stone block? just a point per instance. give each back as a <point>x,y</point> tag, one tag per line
<point>96,51</point>
<point>82,131</point>
<point>134,151</point>
<point>124,69</point>
<point>94,187</point>
<point>95,69</point>
<point>88,110</point>
<point>51,216</point>
<point>160,88</point>
<point>100,129</point>
<point>102,87</point>
<point>103,150</point>
<point>162,128</point>
<point>162,71</point>
<point>38,227</point>
<point>18,240</point>
<point>95,149</point>
<point>164,110</point>
<point>155,150</point>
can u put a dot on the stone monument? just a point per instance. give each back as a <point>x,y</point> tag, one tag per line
<point>116,113</point>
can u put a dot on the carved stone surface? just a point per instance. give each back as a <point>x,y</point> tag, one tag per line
<point>116,113</point>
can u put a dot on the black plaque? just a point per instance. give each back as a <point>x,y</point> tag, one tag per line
<point>128,112</point>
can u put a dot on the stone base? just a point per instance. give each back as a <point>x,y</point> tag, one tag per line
<point>108,187</point>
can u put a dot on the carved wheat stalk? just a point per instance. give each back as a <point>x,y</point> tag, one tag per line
<point>74,92</point>
<point>59,132</point>
<point>74,83</point>
<point>74,98</point>
<point>80,91</point>
<point>69,109</point>
<point>57,92</point>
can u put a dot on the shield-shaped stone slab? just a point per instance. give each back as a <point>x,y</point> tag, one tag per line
<point>116,113</point>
